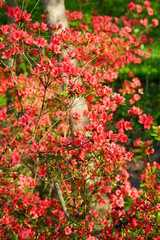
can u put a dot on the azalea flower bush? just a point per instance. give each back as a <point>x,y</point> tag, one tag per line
<point>56,183</point>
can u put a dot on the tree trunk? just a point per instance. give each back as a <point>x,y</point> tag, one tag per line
<point>55,14</point>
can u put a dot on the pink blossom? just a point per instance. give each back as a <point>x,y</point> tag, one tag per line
<point>147,121</point>
<point>138,8</point>
<point>147,4</point>
<point>120,202</point>
<point>34,147</point>
<point>42,172</point>
<point>68,230</point>
<point>23,120</point>
<point>3,113</point>
<point>155,22</point>
<point>144,22</point>
<point>150,11</point>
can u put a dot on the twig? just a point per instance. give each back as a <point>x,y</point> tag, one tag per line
<point>34,6</point>
<point>49,129</point>
<point>90,218</point>
<point>22,5</point>
<point>36,128</point>
<point>19,99</point>
<point>62,201</point>
<point>27,59</point>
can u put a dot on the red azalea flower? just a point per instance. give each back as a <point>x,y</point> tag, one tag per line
<point>147,121</point>
<point>68,230</point>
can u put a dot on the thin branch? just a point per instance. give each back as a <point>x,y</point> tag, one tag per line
<point>27,59</point>
<point>22,5</point>
<point>31,58</point>
<point>16,2</point>
<point>35,94</point>
<point>8,145</point>
<point>36,127</point>
<point>90,218</point>
<point>34,6</point>
<point>19,99</point>
<point>49,129</point>
<point>62,201</point>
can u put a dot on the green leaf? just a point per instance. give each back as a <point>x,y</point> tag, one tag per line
<point>139,157</point>
<point>158,217</point>
<point>137,215</point>
<point>13,237</point>
<point>154,134</point>
<point>128,203</point>
<point>136,30</point>
<point>138,150</point>
<point>142,185</point>
<point>3,101</point>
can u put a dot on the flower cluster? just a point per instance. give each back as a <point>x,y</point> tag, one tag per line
<point>57,182</point>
